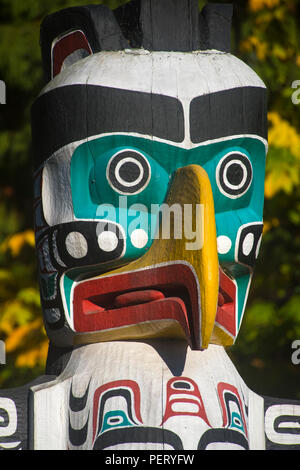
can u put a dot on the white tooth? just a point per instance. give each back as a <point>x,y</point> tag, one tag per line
<point>248,244</point>
<point>108,241</point>
<point>76,245</point>
<point>139,238</point>
<point>223,244</point>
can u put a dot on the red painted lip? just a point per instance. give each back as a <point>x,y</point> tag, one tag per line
<point>226,313</point>
<point>152,294</point>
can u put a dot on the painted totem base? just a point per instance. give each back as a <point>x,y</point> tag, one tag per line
<point>158,395</point>
<point>155,395</point>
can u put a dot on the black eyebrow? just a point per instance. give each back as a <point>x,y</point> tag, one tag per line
<point>75,112</point>
<point>230,112</point>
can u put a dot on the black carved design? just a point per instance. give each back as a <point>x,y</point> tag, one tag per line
<point>61,259</point>
<point>116,393</point>
<point>78,403</point>
<point>138,434</point>
<point>247,253</point>
<point>222,435</point>
<point>78,437</point>
<point>282,424</point>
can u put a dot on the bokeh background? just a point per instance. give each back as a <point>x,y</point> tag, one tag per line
<point>266,35</point>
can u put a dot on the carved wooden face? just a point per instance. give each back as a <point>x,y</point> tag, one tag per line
<point>123,137</point>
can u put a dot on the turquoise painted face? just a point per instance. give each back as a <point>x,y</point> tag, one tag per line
<point>125,179</point>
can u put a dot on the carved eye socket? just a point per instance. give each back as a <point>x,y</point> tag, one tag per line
<point>128,172</point>
<point>234,174</point>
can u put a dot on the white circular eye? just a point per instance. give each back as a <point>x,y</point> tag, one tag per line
<point>128,172</point>
<point>108,241</point>
<point>76,245</point>
<point>234,174</point>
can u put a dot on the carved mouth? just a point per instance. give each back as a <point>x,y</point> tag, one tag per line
<point>147,297</point>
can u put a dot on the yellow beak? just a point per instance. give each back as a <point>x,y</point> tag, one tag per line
<point>191,185</point>
<point>190,188</point>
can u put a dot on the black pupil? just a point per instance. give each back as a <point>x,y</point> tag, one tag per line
<point>115,420</point>
<point>235,174</point>
<point>181,385</point>
<point>129,172</point>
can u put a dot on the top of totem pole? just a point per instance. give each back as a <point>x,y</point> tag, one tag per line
<point>153,25</point>
<point>146,103</point>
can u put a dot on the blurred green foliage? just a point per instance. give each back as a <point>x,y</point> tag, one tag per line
<point>266,35</point>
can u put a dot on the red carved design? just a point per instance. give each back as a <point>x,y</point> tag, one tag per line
<point>222,388</point>
<point>117,384</point>
<point>184,398</point>
<point>226,313</point>
<point>147,295</point>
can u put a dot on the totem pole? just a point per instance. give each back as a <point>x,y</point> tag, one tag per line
<point>149,143</point>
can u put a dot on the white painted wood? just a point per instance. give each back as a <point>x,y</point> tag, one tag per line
<point>180,75</point>
<point>283,435</point>
<point>150,365</point>
<point>166,73</point>
<point>56,189</point>
<point>257,439</point>
<point>50,411</point>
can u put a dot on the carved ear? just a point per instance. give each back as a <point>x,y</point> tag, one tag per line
<point>74,33</point>
<point>68,49</point>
